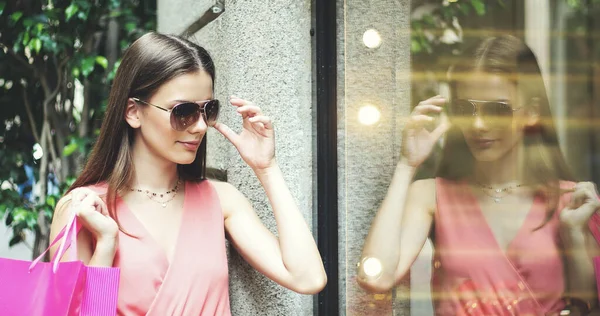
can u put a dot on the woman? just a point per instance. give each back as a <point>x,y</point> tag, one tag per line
<point>501,209</point>
<point>147,207</point>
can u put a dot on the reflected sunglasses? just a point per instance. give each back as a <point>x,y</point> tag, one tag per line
<point>185,114</point>
<point>468,107</point>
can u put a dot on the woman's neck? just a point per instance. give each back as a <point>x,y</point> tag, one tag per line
<point>152,172</point>
<point>501,172</point>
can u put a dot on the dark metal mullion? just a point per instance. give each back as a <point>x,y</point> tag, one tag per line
<point>327,175</point>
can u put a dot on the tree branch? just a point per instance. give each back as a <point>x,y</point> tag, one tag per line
<point>17,57</point>
<point>50,112</point>
<point>42,232</point>
<point>30,115</point>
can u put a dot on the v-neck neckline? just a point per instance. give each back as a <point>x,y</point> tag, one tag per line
<point>148,236</point>
<point>490,233</point>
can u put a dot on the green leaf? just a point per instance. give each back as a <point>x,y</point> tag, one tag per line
<point>87,66</point>
<point>51,201</point>
<point>70,181</point>
<point>16,238</point>
<point>48,43</point>
<point>115,14</point>
<point>16,16</point>
<point>27,22</point>
<point>70,148</point>
<point>9,219</point>
<point>415,47</point>
<point>75,72</point>
<point>31,220</point>
<point>479,6</point>
<point>2,5</point>
<point>102,61</point>
<point>25,38</point>
<point>82,15</point>
<point>84,5</point>
<point>36,44</point>
<point>429,20</point>
<point>71,10</point>
<point>129,27</point>
<point>19,214</point>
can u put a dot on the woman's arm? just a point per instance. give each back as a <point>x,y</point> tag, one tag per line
<point>398,232</point>
<point>93,251</point>
<point>404,219</point>
<point>580,246</point>
<point>291,259</point>
<point>580,249</point>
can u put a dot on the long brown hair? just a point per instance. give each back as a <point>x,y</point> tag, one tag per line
<point>148,63</point>
<point>511,58</point>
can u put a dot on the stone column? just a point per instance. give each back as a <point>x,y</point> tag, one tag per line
<point>262,50</point>
<point>371,80</point>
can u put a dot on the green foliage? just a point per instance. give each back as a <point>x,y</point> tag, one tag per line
<point>57,60</point>
<point>440,29</point>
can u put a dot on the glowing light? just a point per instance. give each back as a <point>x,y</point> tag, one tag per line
<point>371,38</point>
<point>372,267</point>
<point>369,115</point>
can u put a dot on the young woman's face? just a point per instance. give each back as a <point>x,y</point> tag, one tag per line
<point>492,132</point>
<point>155,125</point>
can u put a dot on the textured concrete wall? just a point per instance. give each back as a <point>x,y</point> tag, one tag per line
<point>380,77</point>
<point>262,52</point>
<point>341,153</point>
<point>175,16</point>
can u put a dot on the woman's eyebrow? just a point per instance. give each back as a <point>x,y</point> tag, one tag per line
<point>490,100</point>
<point>178,101</point>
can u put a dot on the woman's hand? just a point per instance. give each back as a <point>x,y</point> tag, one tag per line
<point>93,215</point>
<point>417,141</point>
<point>583,204</point>
<point>256,141</point>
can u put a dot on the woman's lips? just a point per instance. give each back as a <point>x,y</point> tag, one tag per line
<point>483,143</point>
<point>193,145</point>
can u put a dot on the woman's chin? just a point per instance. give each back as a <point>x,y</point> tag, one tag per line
<point>487,156</point>
<point>184,159</point>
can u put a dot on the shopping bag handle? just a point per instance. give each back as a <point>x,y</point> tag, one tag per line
<point>70,233</point>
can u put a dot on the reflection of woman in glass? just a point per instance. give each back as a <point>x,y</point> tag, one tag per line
<point>501,208</point>
<point>147,173</point>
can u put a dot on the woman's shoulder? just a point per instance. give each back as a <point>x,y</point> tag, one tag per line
<point>99,188</point>
<point>222,188</point>
<point>230,198</point>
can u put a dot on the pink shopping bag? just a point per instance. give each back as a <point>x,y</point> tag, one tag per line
<point>594,225</point>
<point>58,288</point>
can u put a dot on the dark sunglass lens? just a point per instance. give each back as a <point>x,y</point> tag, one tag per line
<point>184,115</point>
<point>498,109</point>
<point>211,110</point>
<point>461,108</point>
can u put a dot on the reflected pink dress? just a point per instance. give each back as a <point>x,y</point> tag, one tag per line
<point>472,275</point>
<point>196,282</point>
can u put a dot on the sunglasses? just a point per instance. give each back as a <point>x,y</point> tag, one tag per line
<point>467,108</point>
<point>185,114</point>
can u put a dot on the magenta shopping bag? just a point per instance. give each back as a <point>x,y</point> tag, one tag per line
<point>58,288</point>
<point>594,225</point>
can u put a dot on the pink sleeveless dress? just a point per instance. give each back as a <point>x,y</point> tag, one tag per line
<point>472,275</point>
<point>196,282</point>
